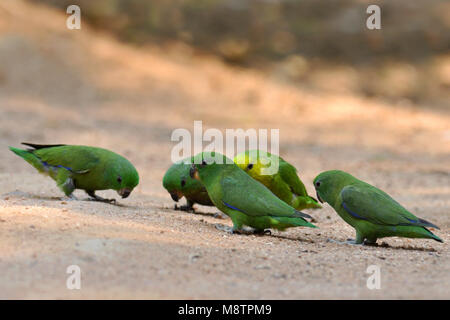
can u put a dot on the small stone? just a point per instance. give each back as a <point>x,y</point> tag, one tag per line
<point>194,257</point>
<point>261,266</point>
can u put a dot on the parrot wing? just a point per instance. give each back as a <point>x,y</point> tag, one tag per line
<point>372,204</point>
<point>289,175</point>
<point>242,193</point>
<point>80,161</point>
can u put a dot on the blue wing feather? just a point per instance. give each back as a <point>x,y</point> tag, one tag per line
<point>231,207</point>
<point>351,212</point>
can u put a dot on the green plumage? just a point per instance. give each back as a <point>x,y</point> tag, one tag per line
<point>284,182</point>
<point>82,167</point>
<point>178,183</point>
<point>372,212</point>
<point>243,199</point>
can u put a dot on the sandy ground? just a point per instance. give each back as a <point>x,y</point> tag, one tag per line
<point>81,87</point>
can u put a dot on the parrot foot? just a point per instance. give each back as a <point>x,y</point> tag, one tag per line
<point>227,229</point>
<point>184,208</point>
<point>262,232</point>
<point>252,231</point>
<point>370,243</point>
<point>100,199</point>
<point>349,241</point>
<point>243,231</point>
<point>69,197</point>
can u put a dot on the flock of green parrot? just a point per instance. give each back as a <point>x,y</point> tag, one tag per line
<point>241,188</point>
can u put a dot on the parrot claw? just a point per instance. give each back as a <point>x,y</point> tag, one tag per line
<point>227,229</point>
<point>100,199</point>
<point>349,241</point>
<point>184,208</point>
<point>262,232</point>
<point>370,243</point>
<point>70,198</point>
<point>111,201</point>
<point>243,231</point>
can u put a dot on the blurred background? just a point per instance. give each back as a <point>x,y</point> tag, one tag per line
<point>319,44</point>
<point>342,96</point>
<point>375,103</point>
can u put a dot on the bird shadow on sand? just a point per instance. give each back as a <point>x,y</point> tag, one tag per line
<point>280,236</point>
<point>20,195</point>
<point>248,232</point>
<point>113,203</point>
<point>384,245</point>
<point>408,248</point>
<point>216,215</point>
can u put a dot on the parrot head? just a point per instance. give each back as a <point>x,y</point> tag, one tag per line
<point>249,161</point>
<point>208,164</point>
<point>254,161</point>
<point>177,179</point>
<point>244,161</point>
<point>329,184</point>
<point>122,177</point>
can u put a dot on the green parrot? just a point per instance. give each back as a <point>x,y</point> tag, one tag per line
<point>284,183</point>
<point>178,183</point>
<point>243,199</point>
<point>82,167</point>
<point>372,212</point>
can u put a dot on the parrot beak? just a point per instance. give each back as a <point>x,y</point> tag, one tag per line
<point>194,173</point>
<point>124,193</point>
<point>318,197</point>
<point>175,196</point>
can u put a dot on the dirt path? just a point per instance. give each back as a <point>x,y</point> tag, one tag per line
<point>79,87</point>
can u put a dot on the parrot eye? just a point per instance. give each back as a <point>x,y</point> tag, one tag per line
<point>250,166</point>
<point>183,182</point>
<point>119,179</point>
<point>318,184</point>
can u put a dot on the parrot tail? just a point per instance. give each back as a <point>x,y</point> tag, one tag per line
<point>428,224</point>
<point>433,236</point>
<point>292,222</point>
<point>301,214</point>
<point>30,158</point>
<point>35,146</point>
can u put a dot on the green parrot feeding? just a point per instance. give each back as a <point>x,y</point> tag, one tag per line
<point>82,167</point>
<point>179,183</point>
<point>245,200</point>
<point>372,212</point>
<point>284,182</point>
